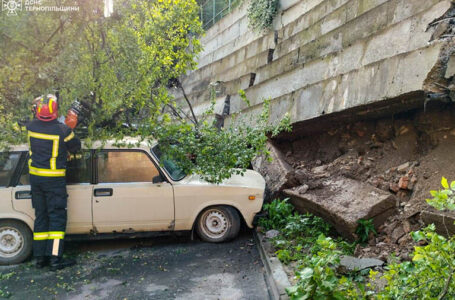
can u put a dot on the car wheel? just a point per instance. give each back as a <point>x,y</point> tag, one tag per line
<point>218,224</point>
<point>15,242</point>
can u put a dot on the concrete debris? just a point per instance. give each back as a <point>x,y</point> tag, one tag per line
<point>403,183</point>
<point>277,173</point>
<point>302,189</point>
<point>272,234</point>
<point>343,202</point>
<point>403,168</point>
<point>450,71</point>
<point>443,220</point>
<point>351,263</point>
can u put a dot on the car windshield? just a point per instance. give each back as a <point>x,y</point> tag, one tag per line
<point>169,164</point>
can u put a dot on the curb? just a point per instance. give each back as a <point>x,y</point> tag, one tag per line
<point>275,277</point>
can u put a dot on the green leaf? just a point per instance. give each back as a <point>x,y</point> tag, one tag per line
<point>444,183</point>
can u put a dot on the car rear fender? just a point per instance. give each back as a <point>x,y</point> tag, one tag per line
<point>18,217</point>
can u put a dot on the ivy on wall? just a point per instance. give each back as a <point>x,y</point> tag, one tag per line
<point>261,14</point>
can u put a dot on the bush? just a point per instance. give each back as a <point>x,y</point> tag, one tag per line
<point>261,13</point>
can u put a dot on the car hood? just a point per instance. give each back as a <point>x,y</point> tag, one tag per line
<point>250,179</point>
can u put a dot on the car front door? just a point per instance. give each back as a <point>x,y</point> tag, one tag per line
<point>79,188</point>
<point>131,195</point>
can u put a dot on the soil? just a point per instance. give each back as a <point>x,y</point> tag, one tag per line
<point>405,154</point>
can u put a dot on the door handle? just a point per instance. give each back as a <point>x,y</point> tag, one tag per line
<point>20,195</point>
<point>103,192</point>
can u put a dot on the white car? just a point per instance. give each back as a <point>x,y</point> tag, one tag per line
<point>126,191</point>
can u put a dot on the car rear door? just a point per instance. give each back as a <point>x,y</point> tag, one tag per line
<point>79,187</point>
<point>131,194</point>
<point>9,162</point>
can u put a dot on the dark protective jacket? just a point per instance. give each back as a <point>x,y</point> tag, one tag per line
<point>49,143</point>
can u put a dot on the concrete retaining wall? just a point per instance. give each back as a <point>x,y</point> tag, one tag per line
<point>322,57</point>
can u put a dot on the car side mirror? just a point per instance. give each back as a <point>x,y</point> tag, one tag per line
<point>157,179</point>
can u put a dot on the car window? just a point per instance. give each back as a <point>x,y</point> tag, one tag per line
<point>78,169</point>
<point>8,163</point>
<point>169,164</point>
<point>125,166</point>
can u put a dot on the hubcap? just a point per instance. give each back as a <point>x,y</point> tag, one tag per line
<point>214,223</point>
<point>11,242</point>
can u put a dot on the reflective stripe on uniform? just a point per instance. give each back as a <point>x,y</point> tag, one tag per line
<point>56,235</point>
<point>69,137</point>
<point>55,247</point>
<point>46,172</point>
<point>40,236</point>
<point>43,136</point>
<point>51,110</point>
<point>55,141</point>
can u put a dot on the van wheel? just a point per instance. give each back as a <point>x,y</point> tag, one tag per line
<point>218,224</point>
<point>15,242</point>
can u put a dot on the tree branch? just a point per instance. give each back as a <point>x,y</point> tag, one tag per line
<point>446,287</point>
<point>187,101</point>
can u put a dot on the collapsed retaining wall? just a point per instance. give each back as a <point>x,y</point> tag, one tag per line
<point>326,56</point>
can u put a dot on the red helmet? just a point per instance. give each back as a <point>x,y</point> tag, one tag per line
<point>47,108</point>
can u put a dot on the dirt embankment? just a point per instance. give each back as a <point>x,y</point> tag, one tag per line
<point>405,155</point>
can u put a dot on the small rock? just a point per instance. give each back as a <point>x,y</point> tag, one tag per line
<point>406,226</point>
<point>318,170</point>
<point>403,183</point>
<point>357,250</point>
<point>383,256</point>
<point>405,257</point>
<point>397,233</point>
<point>394,187</point>
<point>302,189</point>
<point>272,233</point>
<point>403,167</point>
<point>357,264</point>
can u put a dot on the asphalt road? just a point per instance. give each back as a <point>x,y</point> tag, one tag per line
<point>155,268</point>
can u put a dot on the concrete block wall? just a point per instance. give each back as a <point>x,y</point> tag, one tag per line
<point>322,57</point>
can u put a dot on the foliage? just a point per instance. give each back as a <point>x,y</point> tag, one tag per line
<point>363,230</point>
<point>218,153</point>
<point>261,13</point>
<point>121,69</point>
<point>278,211</point>
<point>430,274</point>
<point>443,199</point>
<point>317,277</point>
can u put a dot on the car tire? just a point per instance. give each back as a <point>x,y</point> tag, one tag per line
<point>15,242</point>
<point>218,224</point>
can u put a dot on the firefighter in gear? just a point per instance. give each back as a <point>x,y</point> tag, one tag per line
<point>49,143</point>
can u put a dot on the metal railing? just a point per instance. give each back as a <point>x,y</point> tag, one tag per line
<point>211,11</point>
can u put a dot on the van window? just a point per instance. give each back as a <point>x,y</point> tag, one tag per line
<point>125,166</point>
<point>8,163</point>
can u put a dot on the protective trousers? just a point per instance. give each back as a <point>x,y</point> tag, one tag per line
<point>49,199</point>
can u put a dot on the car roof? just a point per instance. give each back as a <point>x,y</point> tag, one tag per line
<point>126,143</point>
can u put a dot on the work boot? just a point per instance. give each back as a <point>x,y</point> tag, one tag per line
<point>58,263</point>
<point>41,261</point>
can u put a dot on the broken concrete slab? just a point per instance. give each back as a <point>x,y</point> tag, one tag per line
<point>342,202</point>
<point>444,221</point>
<point>351,263</point>
<point>450,71</point>
<point>278,173</point>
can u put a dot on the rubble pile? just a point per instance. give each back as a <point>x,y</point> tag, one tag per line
<point>379,169</point>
